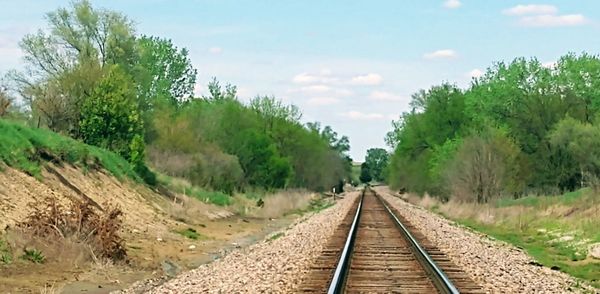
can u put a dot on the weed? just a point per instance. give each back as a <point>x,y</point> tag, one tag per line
<point>276,236</point>
<point>191,233</point>
<point>33,255</point>
<point>5,252</point>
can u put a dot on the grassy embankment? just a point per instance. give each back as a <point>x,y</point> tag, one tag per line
<point>555,230</point>
<point>28,149</point>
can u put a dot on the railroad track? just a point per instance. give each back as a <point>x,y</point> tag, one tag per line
<point>375,250</point>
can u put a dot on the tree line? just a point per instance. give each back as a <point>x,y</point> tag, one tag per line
<point>521,128</point>
<point>91,76</point>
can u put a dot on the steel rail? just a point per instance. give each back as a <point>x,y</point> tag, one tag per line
<point>339,276</point>
<point>438,277</point>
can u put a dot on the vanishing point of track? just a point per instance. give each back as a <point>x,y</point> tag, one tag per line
<point>375,250</point>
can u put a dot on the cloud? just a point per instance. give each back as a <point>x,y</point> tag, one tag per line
<point>451,4</point>
<point>475,73</point>
<point>385,96</point>
<point>322,101</point>
<point>547,20</point>
<point>357,115</point>
<point>305,78</point>
<point>531,9</point>
<point>370,79</point>
<point>438,54</point>
<point>315,89</point>
<point>541,15</point>
<point>215,50</point>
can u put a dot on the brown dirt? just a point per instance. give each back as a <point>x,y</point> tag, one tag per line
<point>150,225</point>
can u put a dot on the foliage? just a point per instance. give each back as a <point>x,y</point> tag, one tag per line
<point>523,101</point>
<point>376,161</point>
<point>365,173</point>
<point>582,142</point>
<point>27,149</point>
<point>191,233</point>
<point>6,255</point>
<point>33,255</point>
<point>111,118</point>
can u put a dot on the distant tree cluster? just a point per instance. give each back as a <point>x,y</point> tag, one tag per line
<point>375,166</point>
<point>90,76</point>
<point>520,128</point>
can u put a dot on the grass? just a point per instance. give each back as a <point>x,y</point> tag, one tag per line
<point>191,233</point>
<point>5,252</point>
<point>315,205</point>
<point>555,230</point>
<point>184,187</point>
<point>276,236</point>
<point>33,255</point>
<point>27,149</point>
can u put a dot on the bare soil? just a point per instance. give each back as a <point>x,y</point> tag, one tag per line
<point>151,223</point>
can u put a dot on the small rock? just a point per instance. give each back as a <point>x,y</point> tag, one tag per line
<point>159,239</point>
<point>594,251</point>
<point>192,247</point>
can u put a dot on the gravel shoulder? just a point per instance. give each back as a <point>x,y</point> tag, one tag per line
<point>497,266</point>
<point>276,265</point>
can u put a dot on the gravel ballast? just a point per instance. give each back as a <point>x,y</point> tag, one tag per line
<point>497,266</point>
<point>272,266</point>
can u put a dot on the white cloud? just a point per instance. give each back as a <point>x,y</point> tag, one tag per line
<point>315,89</point>
<point>370,79</point>
<point>357,115</point>
<point>322,101</point>
<point>452,4</point>
<point>475,73</point>
<point>531,9</point>
<point>385,96</point>
<point>343,92</point>
<point>548,20</point>
<point>306,78</point>
<point>444,53</point>
<point>215,50</point>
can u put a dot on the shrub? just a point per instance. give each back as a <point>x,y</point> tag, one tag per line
<point>33,255</point>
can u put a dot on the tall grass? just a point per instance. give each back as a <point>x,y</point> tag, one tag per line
<point>555,230</point>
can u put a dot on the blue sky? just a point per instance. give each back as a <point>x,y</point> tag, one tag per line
<point>349,64</point>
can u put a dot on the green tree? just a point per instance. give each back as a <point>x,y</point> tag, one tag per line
<point>377,161</point>
<point>365,173</point>
<point>111,117</point>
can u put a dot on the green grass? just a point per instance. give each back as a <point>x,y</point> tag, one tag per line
<point>538,201</point>
<point>537,224</point>
<point>33,255</point>
<point>214,197</point>
<point>540,246</point>
<point>27,149</point>
<point>276,236</point>
<point>316,205</point>
<point>191,233</point>
<point>5,252</point>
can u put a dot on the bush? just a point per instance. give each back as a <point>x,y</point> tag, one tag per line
<point>485,167</point>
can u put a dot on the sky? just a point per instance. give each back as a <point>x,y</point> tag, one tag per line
<point>349,64</point>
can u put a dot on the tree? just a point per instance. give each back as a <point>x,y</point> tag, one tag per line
<point>111,117</point>
<point>5,101</point>
<point>376,161</point>
<point>581,141</point>
<point>64,64</point>
<point>168,74</point>
<point>365,173</point>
